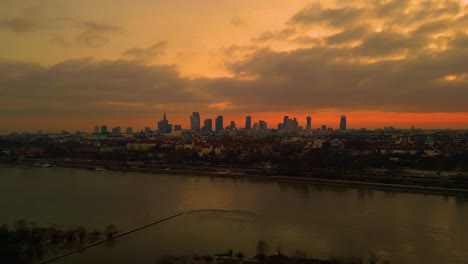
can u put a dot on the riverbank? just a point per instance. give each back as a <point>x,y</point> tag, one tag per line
<point>409,188</point>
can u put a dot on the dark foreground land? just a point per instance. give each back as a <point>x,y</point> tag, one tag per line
<point>31,244</point>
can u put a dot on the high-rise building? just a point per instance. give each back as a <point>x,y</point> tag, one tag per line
<point>232,125</point>
<point>163,126</point>
<point>103,129</point>
<point>343,123</point>
<point>147,130</point>
<point>324,128</point>
<point>309,123</point>
<point>262,124</point>
<point>295,124</point>
<point>96,129</point>
<point>289,124</point>
<point>208,125</point>
<point>195,121</point>
<point>129,131</point>
<point>248,122</point>
<point>116,131</point>
<point>219,123</point>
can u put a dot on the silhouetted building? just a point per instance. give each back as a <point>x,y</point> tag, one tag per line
<point>219,123</point>
<point>295,124</point>
<point>232,125</point>
<point>177,127</point>
<point>262,124</point>
<point>116,131</point>
<point>163,126</point>
<point>96,129</point>
<point>248,122</point>
<point>208,125</point>
<point>289,124</point>
<point>129,131</point>
<point>103,129</point>
<point>309,123</point>
<point>343,123</point>
<point>324,128</point>
<point>147,130</point>
<point>195,121</point>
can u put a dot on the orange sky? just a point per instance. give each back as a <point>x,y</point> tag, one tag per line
<point>75,64</point>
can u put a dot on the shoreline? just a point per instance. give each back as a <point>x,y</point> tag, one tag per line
<point>417,189</point>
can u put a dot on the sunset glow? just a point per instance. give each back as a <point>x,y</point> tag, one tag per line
<point>70,65</point>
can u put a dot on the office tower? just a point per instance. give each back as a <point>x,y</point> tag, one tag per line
<point>295,123</point>
<point>195,121</point>
<point>103,129</point>
<point>262,124</point>
<point>164,126</point>
<point>248,122</point>
<point>324,128</point>
<point>233,125</point>
<point>219,123</point>
<point>286,122</point>
<point>343,123</point>
<point>129,131</point>
<point>208,125</point>
<point>116,131</point>
<point>309,123</point>
<point>96,129</point>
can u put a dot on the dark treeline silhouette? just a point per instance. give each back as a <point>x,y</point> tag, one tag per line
<point>262,256</point>
<point>27,243</point>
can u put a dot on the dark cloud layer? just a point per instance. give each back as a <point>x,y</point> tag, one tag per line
<point>85,86</point>
<point>18,25</point>
<point>144,54</point>
<point>96,34</point>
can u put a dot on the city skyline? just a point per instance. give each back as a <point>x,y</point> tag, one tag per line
<point>209,124</point>
<point>329,119</point>
<point>390,63</point>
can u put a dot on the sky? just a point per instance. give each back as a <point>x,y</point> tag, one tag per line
<point>76,64</point>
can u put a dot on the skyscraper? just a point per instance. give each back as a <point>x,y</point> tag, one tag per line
<point>116,131</point>
<point>219,123</point>
<point>309,123</point>
<point>96,129</point>
<point>103,129</point>
<point>208,125</point>
<point>129,131</point>
<point>233,125</point>
<point>195,121</point>
<point>164,126</point>
<point>262,124</point>
<point>248,122</point>
<point>343,123</point>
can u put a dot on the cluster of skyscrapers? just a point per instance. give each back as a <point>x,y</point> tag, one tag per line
<point>164,127</point>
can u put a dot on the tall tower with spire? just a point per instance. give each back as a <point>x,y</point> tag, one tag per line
<point>164,126</point>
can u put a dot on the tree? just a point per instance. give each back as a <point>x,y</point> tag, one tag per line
<point>262,248</point>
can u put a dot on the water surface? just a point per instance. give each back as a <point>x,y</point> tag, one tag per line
<point>318,219</point>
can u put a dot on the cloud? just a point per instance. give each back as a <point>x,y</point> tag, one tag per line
<point>337,17</point>
<point>18,25</point>
<point>275,35</point>
<point>349,35</point>
<point>97,34</point>
<point>238,21</point>
<point>144,54</point>
<point>78,88</point>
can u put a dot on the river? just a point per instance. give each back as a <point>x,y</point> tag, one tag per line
<point>317,219</point>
